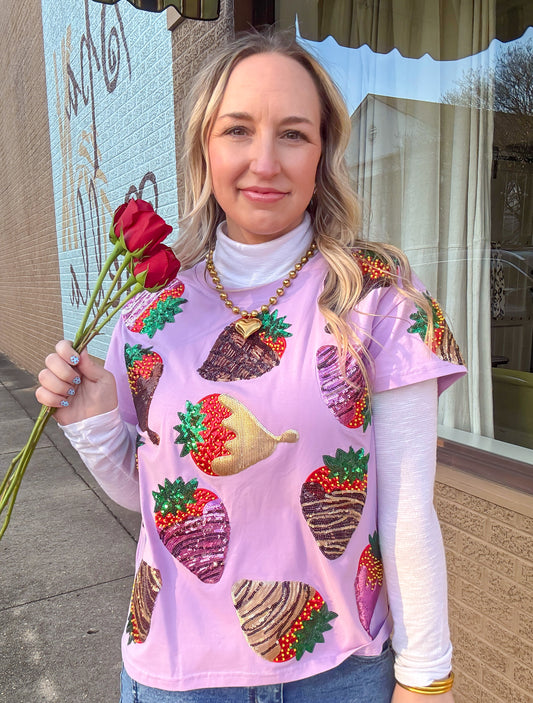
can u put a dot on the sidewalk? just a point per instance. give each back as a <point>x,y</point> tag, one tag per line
<point>66,567</point>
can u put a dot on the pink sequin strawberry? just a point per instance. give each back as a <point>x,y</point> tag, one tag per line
<point>368,581</point>
<point>345,395</point>
<point>193,525</point>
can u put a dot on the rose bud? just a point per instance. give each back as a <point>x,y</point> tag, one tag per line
<point>139,227</point>
<point>158,269</point>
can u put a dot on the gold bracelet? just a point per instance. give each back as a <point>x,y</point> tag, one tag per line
<point>434,689</point>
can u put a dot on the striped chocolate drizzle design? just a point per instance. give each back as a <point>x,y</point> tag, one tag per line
<point>267,611</point>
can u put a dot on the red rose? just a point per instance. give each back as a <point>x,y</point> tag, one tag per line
<point>157,269</point>
<point>139,227</point>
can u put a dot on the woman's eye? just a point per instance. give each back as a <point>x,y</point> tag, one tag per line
<point>236,131</point>
<point>293,135</point>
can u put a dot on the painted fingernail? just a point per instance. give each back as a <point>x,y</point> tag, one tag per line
<point>76,380</point>
<point>74,360</point>
<point>71,391</point>
<point>64,403</point>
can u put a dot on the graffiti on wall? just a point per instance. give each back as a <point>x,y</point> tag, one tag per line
<point>112,133</point>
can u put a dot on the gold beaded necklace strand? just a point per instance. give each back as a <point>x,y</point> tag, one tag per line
<point>249,322</point>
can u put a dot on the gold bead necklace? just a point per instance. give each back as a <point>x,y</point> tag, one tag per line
<point>250,322</point>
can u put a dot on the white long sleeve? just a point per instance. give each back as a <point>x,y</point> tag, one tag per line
<point>405,426</point>
<point>106,445</point>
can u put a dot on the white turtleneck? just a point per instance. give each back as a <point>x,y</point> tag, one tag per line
<point>249,265</point>
<point>410,538</point>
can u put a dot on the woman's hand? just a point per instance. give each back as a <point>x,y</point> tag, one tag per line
<point>401,695</point>
<point>76,385</point>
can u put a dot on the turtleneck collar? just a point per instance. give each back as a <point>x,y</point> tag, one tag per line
<point>249,265</point>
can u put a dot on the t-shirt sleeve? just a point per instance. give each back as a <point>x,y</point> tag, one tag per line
<point>116,363</point>
<point>400,354</point>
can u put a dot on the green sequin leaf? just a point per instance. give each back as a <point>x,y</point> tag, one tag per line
<point>174,496</point>
<point>165,311</point>
<point>420,319</point>
<point>135,352</point>
<point>312,630</point>
<point>190,428</point>
<point>273,326</point>
<point>350,465</point>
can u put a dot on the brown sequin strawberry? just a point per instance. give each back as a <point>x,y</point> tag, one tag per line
<point>146,586</point>
<point>375,269</point>
<point>234,358</point>
<point>223,437</point>
<point>333,498</point>
<point>281,619</point>
<point>443,343</point>
<point>144,368</point>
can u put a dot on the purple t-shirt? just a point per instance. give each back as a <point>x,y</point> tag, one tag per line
<point>258,560</point>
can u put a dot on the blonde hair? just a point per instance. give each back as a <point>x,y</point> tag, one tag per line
<point>334,207</point>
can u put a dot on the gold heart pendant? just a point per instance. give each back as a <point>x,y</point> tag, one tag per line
<point>246,326</point>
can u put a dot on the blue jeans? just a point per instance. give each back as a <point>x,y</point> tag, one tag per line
<point>356,680</point>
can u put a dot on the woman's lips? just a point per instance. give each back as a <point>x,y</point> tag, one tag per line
<point>263,195</point>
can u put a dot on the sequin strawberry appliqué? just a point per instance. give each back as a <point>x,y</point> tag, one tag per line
<point>193,525</point>
<point>234,358</point>
<point>149,312</point>
<point>443,344</point>
<point>369,581</point>
<point>144,367</point>
<point>146,586</point>
<point>333,498</point>
<point>223,437</point>
<point>281,619</point>
<point>346,395</point>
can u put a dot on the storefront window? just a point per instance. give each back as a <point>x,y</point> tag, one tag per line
<point>442,156</point>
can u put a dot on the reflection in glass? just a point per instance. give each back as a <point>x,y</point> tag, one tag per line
<point>442,155</point>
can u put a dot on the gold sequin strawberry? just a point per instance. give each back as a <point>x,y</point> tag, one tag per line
<point>144,368</point>
<point>333,498</point>
<point>161,310</point>
<point>146,586</point>
<point>193,525</point>
<point>281,619</point>
<point>223,437</point>
<point>345,395</point>
<point>443,343</point>
<point>234,358</point>
<point>368,581</point>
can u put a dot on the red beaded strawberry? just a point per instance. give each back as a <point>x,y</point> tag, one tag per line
<point>223,437</point>
<point>443,343</point>
<point>369,581</point>
<point>144,368</point>
<point>234,358</point>
<point>281,619</point>
<point>345,395</point>
<point>193,525</point>
<point>333,498</point>
<point>161,310</point>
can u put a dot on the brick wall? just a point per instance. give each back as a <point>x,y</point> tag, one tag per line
<point>488,534</point>
<point>191,43</point>
<point>30,309</point>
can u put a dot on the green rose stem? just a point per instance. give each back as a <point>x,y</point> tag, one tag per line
<point>86,332</point>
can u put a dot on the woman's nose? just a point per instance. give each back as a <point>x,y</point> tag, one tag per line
<point>264,159</point>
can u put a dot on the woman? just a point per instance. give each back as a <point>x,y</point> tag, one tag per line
<point>276,405</point>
